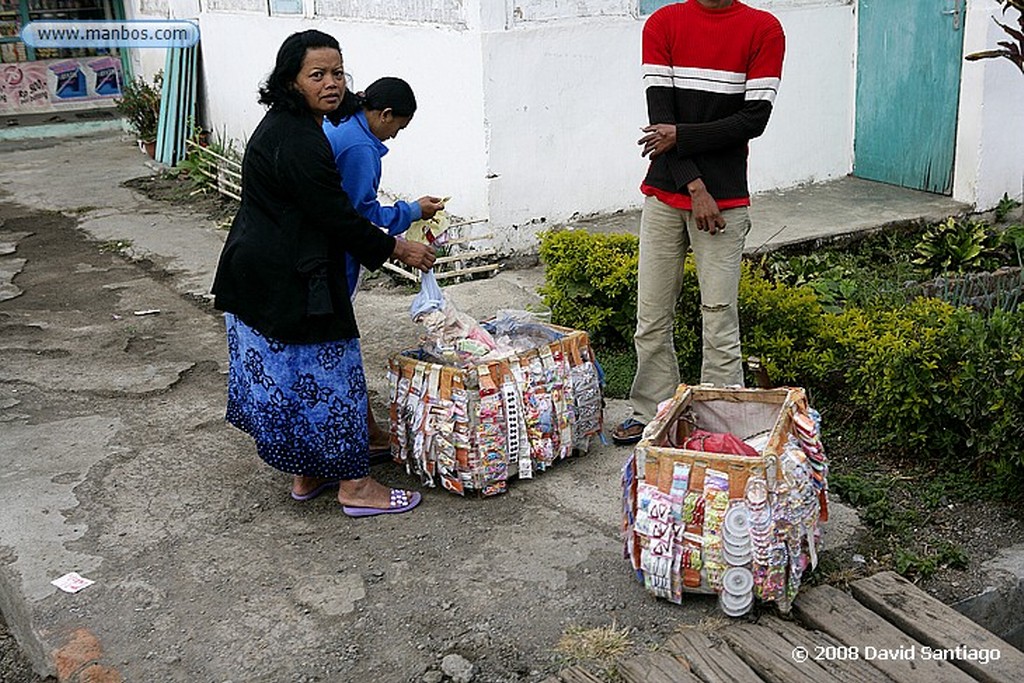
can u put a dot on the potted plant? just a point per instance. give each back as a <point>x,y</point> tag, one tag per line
<point>140,105</point>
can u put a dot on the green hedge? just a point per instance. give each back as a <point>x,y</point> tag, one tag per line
<point>926,379</point>
<point>590,284</point>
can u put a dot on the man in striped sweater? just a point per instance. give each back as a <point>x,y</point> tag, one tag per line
<point>711,71</point>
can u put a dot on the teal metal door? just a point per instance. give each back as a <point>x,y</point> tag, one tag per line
<point>908,83</point>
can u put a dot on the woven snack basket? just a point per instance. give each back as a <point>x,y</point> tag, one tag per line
<point>475,428</point>
<point>740,526</point>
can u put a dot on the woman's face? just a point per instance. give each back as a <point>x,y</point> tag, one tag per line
<point>385,125</point>
<point>321,80</point>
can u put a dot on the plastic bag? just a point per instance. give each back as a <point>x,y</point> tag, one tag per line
<point>450,333</point>
<point>430,297</point>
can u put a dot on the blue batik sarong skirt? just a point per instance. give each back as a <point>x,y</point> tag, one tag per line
<point>304,404</point>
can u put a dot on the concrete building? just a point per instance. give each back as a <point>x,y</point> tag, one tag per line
<point>529,110</point>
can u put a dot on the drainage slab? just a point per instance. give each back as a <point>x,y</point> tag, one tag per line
<point>1000,607</point>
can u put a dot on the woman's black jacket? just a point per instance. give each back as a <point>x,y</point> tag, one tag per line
<point>282,268</point>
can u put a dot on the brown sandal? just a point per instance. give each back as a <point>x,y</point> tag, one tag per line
<point>628,433</point>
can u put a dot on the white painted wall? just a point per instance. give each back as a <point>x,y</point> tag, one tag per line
<point>990,136</point>
<point>443,150</point>
<point>810,135</point>
<point>564,103</point>
<point>564,107</point>
<point>529,111</point>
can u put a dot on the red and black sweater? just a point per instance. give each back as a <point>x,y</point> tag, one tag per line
<point>713,73</point>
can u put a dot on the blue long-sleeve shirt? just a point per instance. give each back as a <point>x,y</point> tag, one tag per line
<point>358,154</point>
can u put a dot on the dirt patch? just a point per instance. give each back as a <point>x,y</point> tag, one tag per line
<point>934,526</point>
<point>194,530</point>
<point>179,190</point>
<point>14,667</point>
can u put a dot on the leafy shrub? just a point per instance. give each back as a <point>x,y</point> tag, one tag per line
<point>934,381</point>
<point>590,282</point>
<point>1005,206</point>
<point>866,272</point>
<point>912,564</point>
<point>1012,238</point>
<point>779,324</point>
<point>686,328</point>
<point>828,276</point>
<point>619,367</point>
<point>988,392</point>
<point>957,245</point>
<point>895,366</point>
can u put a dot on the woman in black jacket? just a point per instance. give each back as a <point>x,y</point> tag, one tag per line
<point>296,382</point>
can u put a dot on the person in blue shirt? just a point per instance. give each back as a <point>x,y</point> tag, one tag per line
<point>357,142</point>
<point>387,107</point>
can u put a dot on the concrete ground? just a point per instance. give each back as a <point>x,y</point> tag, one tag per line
<point>822,212</point>
<point>115,463</point>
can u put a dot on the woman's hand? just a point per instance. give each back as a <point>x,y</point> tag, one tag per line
<point>430,205</point>
<point>415,254</point>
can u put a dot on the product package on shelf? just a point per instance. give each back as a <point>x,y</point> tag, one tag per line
<point>474,422</point>
<point>725,494</point>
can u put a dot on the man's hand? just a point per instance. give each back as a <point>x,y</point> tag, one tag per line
<point>430,205</point>
<point>705,208</point>
<point>659,138</point>
<point>415,254</point>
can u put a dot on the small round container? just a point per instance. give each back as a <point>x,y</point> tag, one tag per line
<point>735,606</point>
<point>736,546</point>
<point>737,520</point>
<point>757,491</point>
<point>737,559</point>
<point>738,581</point>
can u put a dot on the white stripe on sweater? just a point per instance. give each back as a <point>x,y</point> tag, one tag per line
<point>688,78</point>
<point>762,89</point>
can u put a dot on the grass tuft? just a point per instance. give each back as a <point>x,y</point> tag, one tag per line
<point>601,645</point>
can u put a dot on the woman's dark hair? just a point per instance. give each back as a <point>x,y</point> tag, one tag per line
<point>389,93</point>
<point>278,90</point>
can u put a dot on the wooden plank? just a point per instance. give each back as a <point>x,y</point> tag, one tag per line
<point>467,240</point>
<point>710,659</point>
<point>231,163</point>
<point>414,277</point>
<point>575,674</point>
<point>466,271</point>
<point>401,271</point>
<point>190,119</point>
<point>216,175</point>
<point>656,667</point>
<point>469,222</point>
<point>221,187</point>
<point>771,656</point>
<point>844,663</point>
<point>466,255</point>
<point>829,609</point>
<point>948,633</point>
<point>224,169</point>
